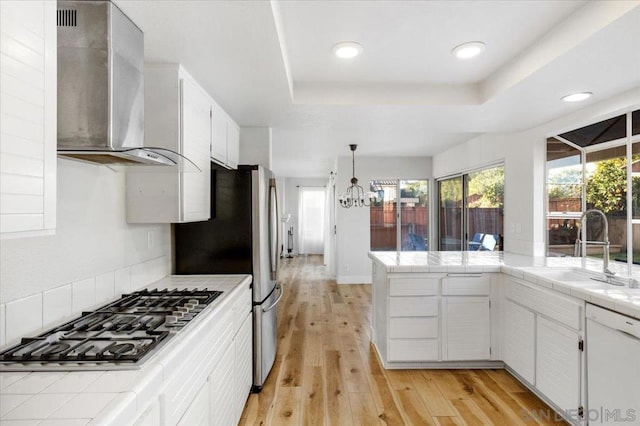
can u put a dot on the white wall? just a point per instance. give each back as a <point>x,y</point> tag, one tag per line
<point>94,255</point>
<point>291,205</point>
<point>353,234</point>
<point>255,146</point>
<point>524,156</point>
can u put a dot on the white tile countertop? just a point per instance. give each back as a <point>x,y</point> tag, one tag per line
<point>621,299</point>
<point>104,397</point>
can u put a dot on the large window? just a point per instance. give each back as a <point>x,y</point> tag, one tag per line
<point>408,230</point>
<point>471,210</point>
<point>595,167</point>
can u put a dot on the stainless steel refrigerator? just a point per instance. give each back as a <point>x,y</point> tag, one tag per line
<point>242,237</point>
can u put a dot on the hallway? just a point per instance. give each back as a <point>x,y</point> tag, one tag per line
<point>326,371</point>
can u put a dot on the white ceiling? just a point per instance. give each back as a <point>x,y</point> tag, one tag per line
<point>270,64</point>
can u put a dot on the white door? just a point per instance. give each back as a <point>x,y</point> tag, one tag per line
<point>311,206</point>
<point>518,345</point>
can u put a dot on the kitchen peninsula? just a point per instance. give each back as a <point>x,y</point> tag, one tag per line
<point>494,309</point>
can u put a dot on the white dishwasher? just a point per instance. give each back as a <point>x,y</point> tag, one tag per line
<point>613,368</point>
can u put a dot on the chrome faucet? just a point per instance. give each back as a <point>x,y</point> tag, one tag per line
<point>605,243</point>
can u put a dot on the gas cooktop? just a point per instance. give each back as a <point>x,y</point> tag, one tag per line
<point>119,335</point>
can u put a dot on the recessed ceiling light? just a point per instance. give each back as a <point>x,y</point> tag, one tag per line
<point>577,97</point>
<point>347,49</point>
<point>468,50</point>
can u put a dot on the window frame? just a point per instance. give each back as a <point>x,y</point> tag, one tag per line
<point>627,141</point>
<point>398,203</point>
<point>465,203</point>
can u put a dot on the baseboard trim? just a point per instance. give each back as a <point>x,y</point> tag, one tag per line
<point>353,279</point>
<point>444,365</point>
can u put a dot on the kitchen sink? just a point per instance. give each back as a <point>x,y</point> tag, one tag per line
<point>559,274</point>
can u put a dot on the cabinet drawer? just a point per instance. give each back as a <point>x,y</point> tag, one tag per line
<point>413,327</point>
<point>413,349</point>
<point>413,306</point>
<point>468,285</point>
<point>413,286</point>
<point>559,307</point>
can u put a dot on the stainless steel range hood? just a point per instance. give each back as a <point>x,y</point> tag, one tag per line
<point>101,87</point>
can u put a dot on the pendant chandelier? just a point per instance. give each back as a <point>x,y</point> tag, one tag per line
<point>355,195</point>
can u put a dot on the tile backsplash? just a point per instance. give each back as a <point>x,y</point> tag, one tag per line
<point>30,315</point>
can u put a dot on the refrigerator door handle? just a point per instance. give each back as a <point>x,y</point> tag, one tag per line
<point>274,229</point>
<point>274,304</point>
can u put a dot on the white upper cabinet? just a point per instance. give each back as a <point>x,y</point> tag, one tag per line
<point>28,118</point>
<point>233,144</point>
<point>218,135</point>
<point>225,138</point>
<point>177,117</point>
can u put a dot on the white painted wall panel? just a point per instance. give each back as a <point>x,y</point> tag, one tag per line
<point>523,153</point>
<point>255,146</point>
<point>92,236</point>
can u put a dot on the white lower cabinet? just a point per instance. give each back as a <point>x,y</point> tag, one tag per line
<point>222,353</point>
<point>558,364</point>
<point>198,412</point>
<point>413,319</point>
<point>542,342</point>
<point>518,343</point>
<point>431,317</point>
<point>150,416</point>
<point>466,328</point>
<point>222,385</point>
<point>243,344</point>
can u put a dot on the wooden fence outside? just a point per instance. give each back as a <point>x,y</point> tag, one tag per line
<point>383,220</point>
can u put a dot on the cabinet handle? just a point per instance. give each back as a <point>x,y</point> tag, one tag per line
<point>464,274</point>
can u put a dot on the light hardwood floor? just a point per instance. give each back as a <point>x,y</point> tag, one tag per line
<point>327,372</point>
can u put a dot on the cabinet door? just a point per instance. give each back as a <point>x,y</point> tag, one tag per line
<point>28,116</point>
<point>198,412</point>
<point>518,344</point>
<point>558,362</point>
<point>466,328</point>
<point>233,144</point>
<point>243,364</point>
<point>218,135</point>
<point>150,416</point>
<point>221,380</point>
<point>195,142</point>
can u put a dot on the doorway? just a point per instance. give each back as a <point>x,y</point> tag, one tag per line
<point>311,211</point>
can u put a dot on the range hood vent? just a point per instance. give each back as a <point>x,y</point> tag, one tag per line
<point>67,18</point>
<point>101,88</point>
